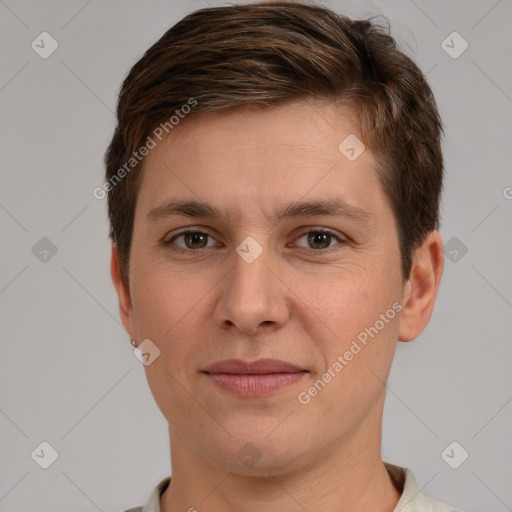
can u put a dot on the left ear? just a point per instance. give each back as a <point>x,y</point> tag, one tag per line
<point>420,290</point>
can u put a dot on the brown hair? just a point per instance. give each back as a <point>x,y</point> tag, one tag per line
<point>261,54</point>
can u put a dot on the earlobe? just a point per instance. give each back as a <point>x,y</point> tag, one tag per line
<point>420,290</point>
<point>123,293</point>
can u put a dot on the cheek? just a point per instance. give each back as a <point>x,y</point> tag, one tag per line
<point>172,309</point>
<point>341,302</point>
<point>160,300</point>
<point>342,314</point>
<point>355,344</point>
<point>167,309</point>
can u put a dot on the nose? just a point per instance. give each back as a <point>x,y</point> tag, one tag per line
<point>252,298</point>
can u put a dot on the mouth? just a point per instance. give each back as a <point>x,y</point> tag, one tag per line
<point>253,379</point>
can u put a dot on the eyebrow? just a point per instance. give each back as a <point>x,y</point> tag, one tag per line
<point>332,207</point>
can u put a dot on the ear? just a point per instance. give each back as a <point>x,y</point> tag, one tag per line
<point>123,294</point>
<point>420,290</point>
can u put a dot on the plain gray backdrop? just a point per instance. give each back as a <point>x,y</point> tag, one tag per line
<point>67,370</point>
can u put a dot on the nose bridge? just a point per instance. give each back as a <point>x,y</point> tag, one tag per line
<point>250,279</point>
<point>250,270</point>
<point>251,294</point>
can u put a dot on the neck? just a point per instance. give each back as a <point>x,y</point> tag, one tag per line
<point>349,475</point>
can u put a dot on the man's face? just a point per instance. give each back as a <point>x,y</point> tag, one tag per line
<point>304,299</point>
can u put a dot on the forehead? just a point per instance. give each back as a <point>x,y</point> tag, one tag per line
<point>242,157</point>
<point>293,130</point>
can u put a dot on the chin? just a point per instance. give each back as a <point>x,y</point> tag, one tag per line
<point>260,458</point>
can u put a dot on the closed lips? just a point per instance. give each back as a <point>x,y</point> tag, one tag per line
<point>259,367</point>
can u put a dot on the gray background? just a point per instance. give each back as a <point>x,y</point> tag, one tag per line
<point>67,371</point>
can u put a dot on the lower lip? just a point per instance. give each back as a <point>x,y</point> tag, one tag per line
<point>254,385</point>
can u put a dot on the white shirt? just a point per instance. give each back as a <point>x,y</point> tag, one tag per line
<point>412,499</point>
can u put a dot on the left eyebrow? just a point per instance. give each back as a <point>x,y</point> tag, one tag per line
<point>332,207</point>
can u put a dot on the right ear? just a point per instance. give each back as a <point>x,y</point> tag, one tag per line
<point>123,294</point>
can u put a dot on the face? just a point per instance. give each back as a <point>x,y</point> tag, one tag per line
<point>255,237</point>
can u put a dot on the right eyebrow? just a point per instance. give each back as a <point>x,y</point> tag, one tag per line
<point>187,208</point>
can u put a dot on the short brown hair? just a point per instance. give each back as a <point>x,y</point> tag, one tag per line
<point>262,54</point>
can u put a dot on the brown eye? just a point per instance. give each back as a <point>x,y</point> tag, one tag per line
<point>191,240</point>
<point>195,240</point>
<point>320,239</point>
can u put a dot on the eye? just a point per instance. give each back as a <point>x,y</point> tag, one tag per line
<point>320,239</point>
<point>192,240</point>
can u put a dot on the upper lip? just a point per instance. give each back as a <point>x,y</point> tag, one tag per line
<point>259,367</point>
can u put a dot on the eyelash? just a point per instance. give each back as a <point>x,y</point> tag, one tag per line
<point>319,252</point>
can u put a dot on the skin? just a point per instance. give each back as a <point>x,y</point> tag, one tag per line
<point>299,301</point>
